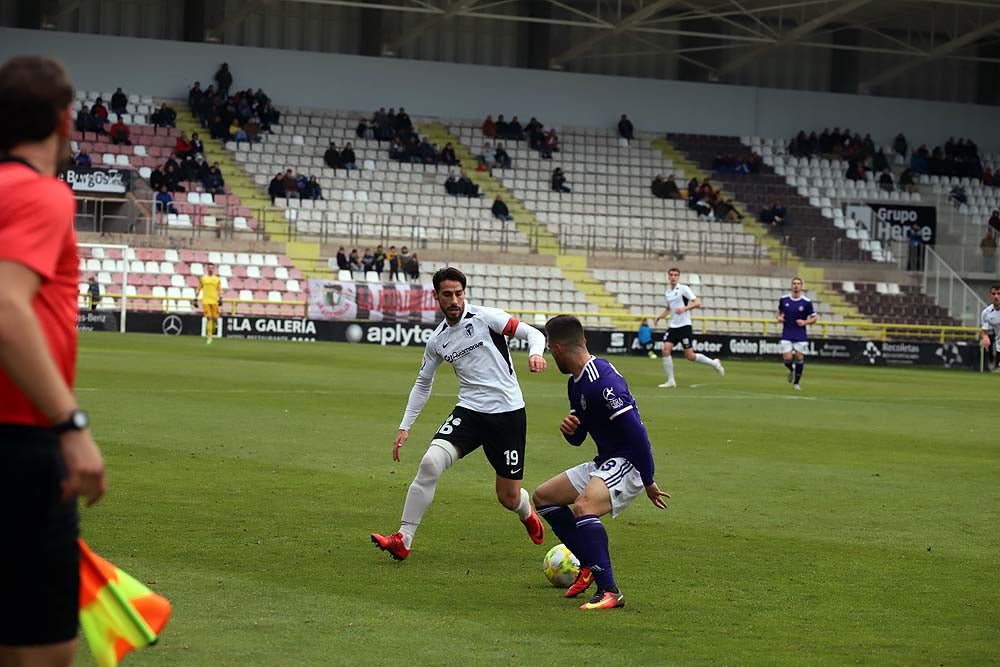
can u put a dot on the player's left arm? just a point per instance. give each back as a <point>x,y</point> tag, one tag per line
<point>514,328</point>
<point>810,319</point>
<point>693,301</point>
<point>634,432</point>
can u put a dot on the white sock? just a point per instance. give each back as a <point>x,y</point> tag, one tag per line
<point>438,458</point>
<point>702,359</point>
<point>668,366</point>
<point>523,508</point>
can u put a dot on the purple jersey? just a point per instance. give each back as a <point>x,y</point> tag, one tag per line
<point>794,309</point>
<point>601,400</point>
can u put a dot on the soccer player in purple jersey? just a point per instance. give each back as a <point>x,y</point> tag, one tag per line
<point>795,312</point>
<point>601,405</point>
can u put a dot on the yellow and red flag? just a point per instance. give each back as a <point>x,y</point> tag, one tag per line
<point>117,613</point>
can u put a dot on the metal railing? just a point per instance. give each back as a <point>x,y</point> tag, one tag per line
<point>948,290</point>
<point>133,215</point>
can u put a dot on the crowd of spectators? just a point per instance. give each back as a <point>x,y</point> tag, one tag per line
<point>292,185</point>
<point>335,158</point>
<point>958,157</point>
<point>546,143</point>
<point>240,116</point>
<point>187,163</point>
<point>379,260</point>
<point>386,126</point>
<point>706,201</point>
<point>748,163</point>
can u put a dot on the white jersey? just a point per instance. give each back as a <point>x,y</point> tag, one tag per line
<point>477,348</point>
<point>675,298</point>
<point>991,321</point>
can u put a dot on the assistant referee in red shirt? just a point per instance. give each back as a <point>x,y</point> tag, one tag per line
<point>47,454</point>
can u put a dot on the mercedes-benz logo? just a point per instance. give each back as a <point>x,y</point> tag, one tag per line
<point>172,325</point>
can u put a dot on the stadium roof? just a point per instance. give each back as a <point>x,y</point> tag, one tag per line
<point>918,31</point>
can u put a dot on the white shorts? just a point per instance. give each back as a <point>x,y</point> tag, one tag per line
<point>622,479</point>
<point>798,346</point>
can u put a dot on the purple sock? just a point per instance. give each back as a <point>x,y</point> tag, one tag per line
<point>563,525</point>
<point>594,545</point>
<point>799,367</point>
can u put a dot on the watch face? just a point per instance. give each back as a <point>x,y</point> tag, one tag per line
<point>80,420</point>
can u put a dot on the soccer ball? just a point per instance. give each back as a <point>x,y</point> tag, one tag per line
<point>560,566</point>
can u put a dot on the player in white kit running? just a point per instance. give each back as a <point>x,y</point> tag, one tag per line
<point>489,413</point>
<point>991,329</point>
<point>680,302</point>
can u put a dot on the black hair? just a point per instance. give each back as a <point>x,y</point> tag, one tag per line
<point>447,273</point>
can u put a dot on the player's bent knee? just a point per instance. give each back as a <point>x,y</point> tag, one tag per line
<point>438,458</point>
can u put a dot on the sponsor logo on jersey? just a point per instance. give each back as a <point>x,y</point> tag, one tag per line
<point>452,358</point>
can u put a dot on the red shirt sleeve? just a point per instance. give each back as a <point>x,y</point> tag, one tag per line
<point>33,225</point>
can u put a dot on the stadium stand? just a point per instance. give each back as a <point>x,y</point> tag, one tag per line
<point>889,302</point>
<point>150,148</point>
<point>166,279</point>
<point>382,199</point>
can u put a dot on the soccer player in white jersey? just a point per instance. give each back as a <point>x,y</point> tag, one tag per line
<point>991,328</point>
<point>489,413</point>
<point>795,312</point>
<point>680,302</point>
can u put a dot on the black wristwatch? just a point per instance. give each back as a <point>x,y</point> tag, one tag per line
<point>78,420</point>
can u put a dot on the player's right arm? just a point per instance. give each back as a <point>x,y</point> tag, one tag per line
<point>571,428</point>
<point>662,316</point>
<point>418,397</point>
<point>25,358</point>
<point>985,339</point>
<point>781,315</point>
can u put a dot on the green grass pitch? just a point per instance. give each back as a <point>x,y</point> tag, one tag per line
<point>858,522</point>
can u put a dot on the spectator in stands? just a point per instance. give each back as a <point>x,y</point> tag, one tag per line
<point>182,147</point>
<point>224,79</point>
<point>99,111</point>
<point>382,132</point>
<point>312,189</point>
<point>500,210</point>
<point>172,175</point>
<point>918,160</point>
<point>119,102</point>
<point>899,145</point>
<point>164,201</point>
<point>855,172</point>
<point>94,290</point>
<point>550,144</point>
<point>393,258</point>
<point>291,187</point>
<point>488,158</point>
<point>236,132</point>
<point>195,95</point>
<point>397,151</point>
<point>880,162</point>
<point>906,181</point>
<point>670,189</point>
<point>958,196</point>
<point>467,187</point>
<point>779,214</point>
<point>379,260</point>
<point>213,181</point>
<point>356,265</point>
<point>412,268</point>
<point>658,187</point>
<point>502,127</point>
<point>331,158</point>
<point>404,259</point>
<point>157,179</point>
<point>252,129</point>
<point>119,133</point>
<point>197,147</point>
<point>625,128</point>
<point>915,248</point>
<point>403,122</point>
<point>988,177</point>
<point>368,260</point>
<point>426,152</point>
<point>723,209</point>
<point>277,187</point>
<point>885,181</point>
<point>994,221</point>
<point>767,216</point>
<point>342,264</point>
<point>347,158</point>
<point>82,158</point>
<point>988,247</point>
<point>514,130</point>
<point>703,203</point>
<point>558,181</point>
<point>300,184</point>
<point>363,131</point>
<point>536,137</point>
<point>85,122</point>
<point>448,156</point>
<point>451,185</point>
<point>502,157</point>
